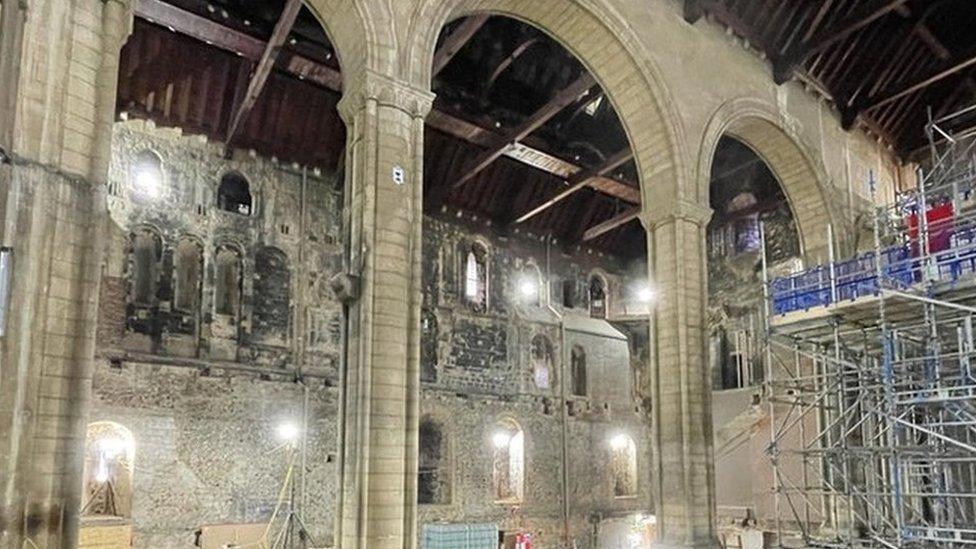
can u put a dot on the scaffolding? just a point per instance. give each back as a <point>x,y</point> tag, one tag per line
<point>870,378</point>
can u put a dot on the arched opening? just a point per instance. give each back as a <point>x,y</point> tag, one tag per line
<point>189,275</point>
<point>234,194</point>
<point>144,266</point>
<point>530,286</point>
<point>228,280</point>
<point>623,463</point>
<point>146,176</point>
<point>745,195</point>
<point>597,293</point>
<point>475,271</point>
<point>542,362</point>
<point>578,375</point>
<point>108,471</point>
<point>508,462</point>
<point>433,470</point>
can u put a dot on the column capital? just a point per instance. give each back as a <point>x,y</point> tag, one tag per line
<point>369,85</point>
<point>684,210</point>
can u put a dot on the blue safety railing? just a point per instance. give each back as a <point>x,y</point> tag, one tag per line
<point>901,267</point>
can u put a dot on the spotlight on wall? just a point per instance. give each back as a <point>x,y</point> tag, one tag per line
<point>500,439</point>
<point>645,294</point>
<point>288,432</point>
<point>528,288</point>
<point>147,181</point>
<point>619,441</point>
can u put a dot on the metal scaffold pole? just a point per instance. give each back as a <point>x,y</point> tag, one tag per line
<point>868,375</point>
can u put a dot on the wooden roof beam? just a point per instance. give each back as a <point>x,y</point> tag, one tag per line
<point>263,69</point>
<point>953,66</point>
<point>303,68</point>
<point>567,96</point>
<point>869,12</point>
<point>614,222</point>
<point>579,180</point>
<point>456,40</point>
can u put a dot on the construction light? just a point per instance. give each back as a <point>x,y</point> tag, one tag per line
<point>645,294</point>
<point>528,288</point>
<point>288,432</point>
<point>147,181</point>
<point>501,439</point>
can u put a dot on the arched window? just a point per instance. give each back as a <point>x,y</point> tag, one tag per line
<point>598,297</point>
<point>234,194</point>
<point>542,361</point>
<point>476,276</point>
<point>272,293</point>
<point>578,373</point>
<point>624,465</point>
<point>147,250</point>
<point>530,285</point>
<point>146,179</point>
<point>569,293</point>
<point>189,274</point>
<point>433,467</point>
<point>108,468</point>
<point>508,462</point>
<point>227,284</point>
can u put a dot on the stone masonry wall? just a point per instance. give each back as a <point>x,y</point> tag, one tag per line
<point>203,406</point>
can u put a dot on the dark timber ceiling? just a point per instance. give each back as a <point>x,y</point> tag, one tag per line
<point>520,133</point>
<point>884,63</point>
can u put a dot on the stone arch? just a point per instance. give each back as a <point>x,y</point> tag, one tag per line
<point>606,45</point>
<point>108,470</point>
<point>800,173</point>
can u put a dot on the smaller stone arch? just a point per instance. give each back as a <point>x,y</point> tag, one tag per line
<point>800,173</point>
<point>146,176</point>
<point>474,259</point>
<point>108,476</point>
<point>434,472</point>
<point>234,194</point>
<point>579,385</point>
<point>542,359</point>
<point>508,462</point>
<point>188,274</point>
<point>598,294</point>
<point>623,464</point>
<point>145,264</point>
<point>228,280</point>
<point>529,285</point>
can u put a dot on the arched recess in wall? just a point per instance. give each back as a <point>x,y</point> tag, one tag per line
<point>108,471</point>
<point>228,282</point>
<point>542,362</point>
<point>272,296</point>
<point>507,462</point>
<point>800,173</point>
<point>607,46</point>
<point>145,255</point>
<point>434,472</point>
<point>623,465</point>
<point>189,274</point>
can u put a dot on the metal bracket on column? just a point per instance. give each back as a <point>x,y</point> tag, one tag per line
<point>346,287</point>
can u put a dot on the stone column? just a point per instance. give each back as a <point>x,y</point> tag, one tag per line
<point>383,217</point>
<point>53,116</point>
<point>684,473</point>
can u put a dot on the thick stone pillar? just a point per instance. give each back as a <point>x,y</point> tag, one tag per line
<point>55,107</point>
<point>383,209</point>
<point>684,471</point>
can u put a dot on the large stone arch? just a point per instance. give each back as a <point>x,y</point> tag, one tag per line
<point>803,177</point>
<point>350,26</point>
<point>606,45</point>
